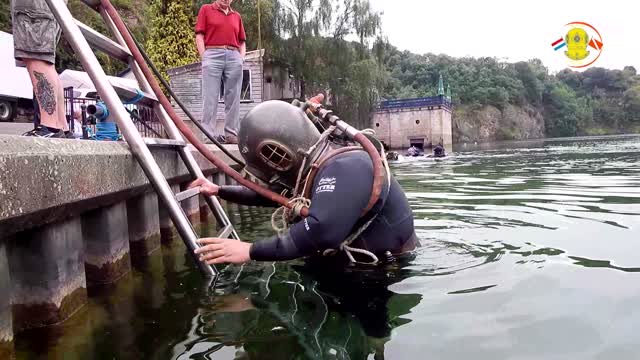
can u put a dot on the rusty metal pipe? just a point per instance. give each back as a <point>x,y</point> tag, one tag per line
<point>184,129</point>
<point>359,137</point>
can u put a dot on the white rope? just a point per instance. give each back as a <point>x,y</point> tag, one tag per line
<point>281,217</point>
<point>345,244</point>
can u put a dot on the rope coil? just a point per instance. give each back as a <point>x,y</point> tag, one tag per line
<point>107,131</point>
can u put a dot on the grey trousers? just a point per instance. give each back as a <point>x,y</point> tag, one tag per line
<point>221,66</point>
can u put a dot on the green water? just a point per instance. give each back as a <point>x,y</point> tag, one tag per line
<point>530,251</point>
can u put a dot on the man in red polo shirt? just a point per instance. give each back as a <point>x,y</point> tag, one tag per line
<point>220,39</point>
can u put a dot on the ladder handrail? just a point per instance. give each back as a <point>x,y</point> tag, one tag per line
<point>130,132</point>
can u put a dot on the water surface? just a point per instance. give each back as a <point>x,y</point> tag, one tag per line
<point>530,251</point>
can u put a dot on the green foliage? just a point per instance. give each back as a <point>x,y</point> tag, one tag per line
<point>5,16</point>
<point>132,12</point>
<point>171,41</point>
<point>562,106</point>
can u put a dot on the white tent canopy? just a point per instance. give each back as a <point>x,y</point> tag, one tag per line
<point>80,80</point>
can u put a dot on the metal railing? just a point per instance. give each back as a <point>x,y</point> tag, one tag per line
<point>143,116</point>
<point>416,102</point>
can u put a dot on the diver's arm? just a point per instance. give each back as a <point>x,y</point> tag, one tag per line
<point>244,196</point>
<point>341,192</point>
<point>233,193</point>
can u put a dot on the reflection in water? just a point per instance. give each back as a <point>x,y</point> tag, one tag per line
<point>529,251</point>
<point>298,311</point>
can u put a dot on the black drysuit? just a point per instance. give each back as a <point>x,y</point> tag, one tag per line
<point>341,190</point>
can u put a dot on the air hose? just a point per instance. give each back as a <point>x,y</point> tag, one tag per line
<point>186,131</point>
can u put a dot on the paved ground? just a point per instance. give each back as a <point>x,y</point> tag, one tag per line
<point>10,128</point>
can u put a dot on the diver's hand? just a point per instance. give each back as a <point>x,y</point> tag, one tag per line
<point>207,188</point>
<point>217,251</point>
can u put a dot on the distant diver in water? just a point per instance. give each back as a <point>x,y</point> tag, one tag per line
<point>392,155</point>
<point>334,179</point>
<point>414,151</point>
<point>438,151</point>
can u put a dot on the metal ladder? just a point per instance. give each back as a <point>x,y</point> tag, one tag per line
<point>82,38</point>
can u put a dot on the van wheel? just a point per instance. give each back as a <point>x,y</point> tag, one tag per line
<point>6,111</point>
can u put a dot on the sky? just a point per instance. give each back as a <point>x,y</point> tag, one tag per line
<point>511,30</point>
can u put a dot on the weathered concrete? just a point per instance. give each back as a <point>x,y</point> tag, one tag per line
<point>46,180</point>
<point>15,128</point>
<point>168,231</point>
<point>47,274</point>
<point>144,224</point>
<point>6,328</point>
<point>106,244</point>
<point>424,125</point>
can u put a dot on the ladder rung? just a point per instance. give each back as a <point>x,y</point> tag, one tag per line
<point>187,194</point>
<point>126,92</point>
<point>226,231</point>
<point>103,43</point>
<point>157,142</point>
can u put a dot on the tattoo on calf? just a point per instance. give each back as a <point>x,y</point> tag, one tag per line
<point>45,94</point>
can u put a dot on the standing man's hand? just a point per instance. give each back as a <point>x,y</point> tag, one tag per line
<point>200,44</point>
<point>218,251</point>
<point>243,50</point>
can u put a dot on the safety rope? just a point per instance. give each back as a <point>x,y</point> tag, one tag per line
<point>346,244</point>
<point>282,216</point>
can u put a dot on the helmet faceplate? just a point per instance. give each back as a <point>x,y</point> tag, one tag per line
<point>272,139</point>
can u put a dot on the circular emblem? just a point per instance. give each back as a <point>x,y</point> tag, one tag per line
<point>580,43</point>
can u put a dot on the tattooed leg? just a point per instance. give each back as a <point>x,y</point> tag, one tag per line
<point>44,92</point>
<point>46,85</point>
<point>62,119</point>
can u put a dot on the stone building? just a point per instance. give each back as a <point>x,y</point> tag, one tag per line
<point>421,122</point>
<point>263,79</point>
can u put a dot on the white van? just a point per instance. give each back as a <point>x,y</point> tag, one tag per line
<point>15,88</point>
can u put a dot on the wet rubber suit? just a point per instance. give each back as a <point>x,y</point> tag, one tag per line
<point>341,190</point>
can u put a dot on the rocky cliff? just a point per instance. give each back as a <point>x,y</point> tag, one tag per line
<point>488,123</point>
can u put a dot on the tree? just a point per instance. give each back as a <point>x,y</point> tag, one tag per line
<point>631,99</point>
<point>562,110</point>
<point>171,40</point>
<point>5,16</point>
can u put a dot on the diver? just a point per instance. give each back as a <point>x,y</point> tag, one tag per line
<point>438,151</point>
<point>336,180</point>
<point>414,151</point>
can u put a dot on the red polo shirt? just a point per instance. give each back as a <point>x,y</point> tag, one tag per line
<point>218,28</point>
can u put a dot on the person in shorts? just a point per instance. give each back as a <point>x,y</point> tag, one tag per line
<point>35,36</point>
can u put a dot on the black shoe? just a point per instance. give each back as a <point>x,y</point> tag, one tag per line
<point>69,135</point>
<point>44,132</point>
